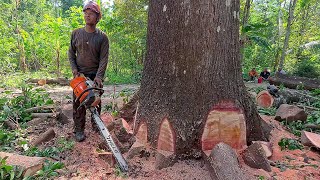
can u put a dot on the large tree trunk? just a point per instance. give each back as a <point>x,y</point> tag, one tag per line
<point>192,95</point>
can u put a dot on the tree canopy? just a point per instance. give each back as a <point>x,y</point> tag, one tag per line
<point>35,36</point>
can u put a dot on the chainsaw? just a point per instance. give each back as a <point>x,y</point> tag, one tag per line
<point>89,96</point>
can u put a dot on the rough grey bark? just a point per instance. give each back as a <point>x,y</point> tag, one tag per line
<point>193,63</point>
<point>223,164</point>
<point>288,31</point>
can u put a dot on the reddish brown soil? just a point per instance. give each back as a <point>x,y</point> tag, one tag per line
<point>83,162</point>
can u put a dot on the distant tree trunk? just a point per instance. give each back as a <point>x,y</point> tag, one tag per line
<point>279,34</point>
<point>246,13</point>
<point>288,31</point>
<point>192,84</point>
<point>303,25</point>
<point>22,56</point>
<point>58,60</point>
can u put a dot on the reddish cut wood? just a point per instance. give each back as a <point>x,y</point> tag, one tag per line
<point>225,123</point>
<point>264,99</point>
<point>166,140</point>
<point>142,133</point>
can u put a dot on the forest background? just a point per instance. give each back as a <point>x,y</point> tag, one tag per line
<point>35,36</point>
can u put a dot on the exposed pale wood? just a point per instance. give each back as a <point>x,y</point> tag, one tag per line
<point>264,99</point>
<point>166,140</point>
<point>226,123</point>
<point>310,139</point>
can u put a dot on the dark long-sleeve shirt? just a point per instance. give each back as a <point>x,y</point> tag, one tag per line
<point>88,52</point>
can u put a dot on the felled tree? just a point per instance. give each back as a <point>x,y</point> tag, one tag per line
<point>192,95</point>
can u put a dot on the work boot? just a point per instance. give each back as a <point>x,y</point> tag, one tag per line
<point>80,136</point>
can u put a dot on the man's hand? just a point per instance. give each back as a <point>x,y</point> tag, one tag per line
<point>75,73</point>
<point>98,82</point>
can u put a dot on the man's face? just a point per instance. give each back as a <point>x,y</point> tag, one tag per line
<point>90,17</point>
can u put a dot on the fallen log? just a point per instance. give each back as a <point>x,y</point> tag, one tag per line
<point>41,82</point>
<point>312,126</point>
<point>44,115</point>
<point>285,96</point>
<point>11,125</point>
<point>46,136</point>
<point>39,108</point>
<point>223,164</point>
<point>29,165</point>
<point>293,82</point>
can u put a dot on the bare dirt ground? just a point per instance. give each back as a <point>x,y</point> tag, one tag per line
<point>82,162</point>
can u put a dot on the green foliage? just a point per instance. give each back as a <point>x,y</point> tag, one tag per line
<point>119,173</point>
<point>11,140</point>
<point>52,151</point>
<point>14,108</point>
<point>315,92</point>
<point>48,171</point>
<point>8,172</point>
<point>258,89</point>
<point>307,69</point>
<point>314,118</point>
<point>295,127</point>
<point>291,144</point>
<point>268,111</point>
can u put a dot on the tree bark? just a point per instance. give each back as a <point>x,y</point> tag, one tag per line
<point>288,31</point>
<point>192,71</point>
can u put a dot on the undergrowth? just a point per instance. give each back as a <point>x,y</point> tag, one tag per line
<point>290,144</point>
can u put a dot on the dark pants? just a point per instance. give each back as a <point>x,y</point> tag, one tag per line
<point>79,115</point>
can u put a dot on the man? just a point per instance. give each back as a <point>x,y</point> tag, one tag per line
<point>88,55</point>
<point>265,74</point>
<point>253,74</point>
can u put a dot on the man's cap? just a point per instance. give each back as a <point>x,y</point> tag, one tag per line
<point>94,7</point>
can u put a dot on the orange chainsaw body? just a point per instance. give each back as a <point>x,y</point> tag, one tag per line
<point>79,85</point>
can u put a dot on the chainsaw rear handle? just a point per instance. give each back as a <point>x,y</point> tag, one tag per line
<point>86,90</point>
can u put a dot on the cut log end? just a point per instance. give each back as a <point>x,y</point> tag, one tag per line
<point>310,139</point>
<point>264,99</point>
